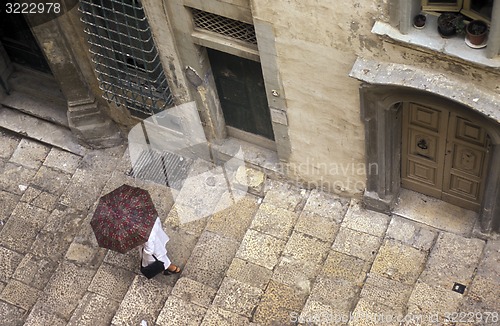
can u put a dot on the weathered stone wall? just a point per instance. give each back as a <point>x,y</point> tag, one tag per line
<point>317,43</point>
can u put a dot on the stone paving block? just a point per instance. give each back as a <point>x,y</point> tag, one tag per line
<point>326,204</point>
<point>249,273</point>
<point>217,316</point>
<point>93,310</point>
<point>317,313</point>
<point>51,245</point>
<point>315,225</point>
<point>89,256</point>
<point>179,312</point>
<point>40,317</point>
<point>304,247</point>
<point>30,153</point>
<point>65,289</point>
<point>399,262</point>
<point>12,315</point>
<point>386,291</point>
<point>162,198</point>
<point>211,278</point>
<point>482,295</point>
<point>284,195</point>
<point>453,259</point>
<point>62,160</point>
<point>20,294</point>
<point>22,228</point>
<point>207,254</point>
<point>34,271</point>
<point>194,292</point>
<point>249,179</point>
<point>144,301</point>
<point>8,202</point>
<point>39,198</point>
<point>341,266</point>
<point>430,300</point>
<point>411,233</point>
<point>296,273</point>
<point>488,266</point>
<point>337,293</point>
<point>283,296</point>
<point>111,282</point>
<point>274,221</point>
<point>234,220</point>
<point>361,219</point>
<point>105,160</point>
<point>50,180</point>
<point>65,220</point>
<point>15,178</point>
<point>261,249</point>
<point>185,218</point>
<point>237,297</point>
<point>357,244</point>
<point>9,143</point>
<point>268,314</point>
<point>369,313</point>
<point>91,181</point>
<point>202,192</point>
<point>85,235</point>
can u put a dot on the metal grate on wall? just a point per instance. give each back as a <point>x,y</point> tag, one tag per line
<point>225,26</point>
<point>125,57</point>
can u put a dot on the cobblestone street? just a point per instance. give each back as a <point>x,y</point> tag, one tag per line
<point>280,256</point>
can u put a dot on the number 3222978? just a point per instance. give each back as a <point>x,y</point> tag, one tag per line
<point>472,317</point>
<point>32,8</point>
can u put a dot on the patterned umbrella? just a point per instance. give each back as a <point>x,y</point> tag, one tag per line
<point>123,218</point>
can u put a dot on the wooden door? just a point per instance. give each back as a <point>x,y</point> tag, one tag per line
<point>444,155</point>
<point>423,148</point>
<point>466,162</point>
<point>242,95</point>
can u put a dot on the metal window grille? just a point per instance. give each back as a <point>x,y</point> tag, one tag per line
<point>225,26</point>
<point>124,55</point>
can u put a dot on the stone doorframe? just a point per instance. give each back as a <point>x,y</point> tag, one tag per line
<point>381,112</point>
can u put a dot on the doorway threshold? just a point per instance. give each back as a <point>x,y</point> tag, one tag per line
<point>435,212</point>
<point>255,156</point>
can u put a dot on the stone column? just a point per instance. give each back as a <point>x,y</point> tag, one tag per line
<point>383,149</point>
<point>490,210</point>
<point>85,116</point>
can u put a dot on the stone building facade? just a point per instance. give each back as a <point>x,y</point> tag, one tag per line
<point>346,97</point>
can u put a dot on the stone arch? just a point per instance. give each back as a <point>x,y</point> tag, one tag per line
<point>382,117</point>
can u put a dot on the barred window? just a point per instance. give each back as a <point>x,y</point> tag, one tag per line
<point>125,57</point>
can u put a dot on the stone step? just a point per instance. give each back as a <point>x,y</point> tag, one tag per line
<point>40,130</point>
<point>49,109</point>
<point>35,83</point>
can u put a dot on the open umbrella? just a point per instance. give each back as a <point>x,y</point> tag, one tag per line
<point>123,218</point>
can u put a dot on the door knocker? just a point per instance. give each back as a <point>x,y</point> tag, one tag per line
<point>422,144</point>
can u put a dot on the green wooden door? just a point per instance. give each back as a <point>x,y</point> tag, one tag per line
<point>242,95</point>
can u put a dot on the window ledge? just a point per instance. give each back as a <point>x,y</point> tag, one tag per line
<point>430,39</point>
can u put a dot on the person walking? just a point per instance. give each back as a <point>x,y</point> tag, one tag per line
<point>155,247</point>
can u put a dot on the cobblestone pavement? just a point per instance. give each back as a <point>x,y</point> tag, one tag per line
<point>289,256</point>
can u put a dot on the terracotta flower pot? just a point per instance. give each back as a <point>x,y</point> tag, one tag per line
<point>477,31</point>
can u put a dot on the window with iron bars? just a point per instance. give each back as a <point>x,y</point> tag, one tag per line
<point>125,57</point>
<point>224,26</point>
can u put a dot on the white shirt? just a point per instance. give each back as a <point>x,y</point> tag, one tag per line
<point>155,246</point>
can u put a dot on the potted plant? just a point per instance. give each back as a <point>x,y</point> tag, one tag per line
<point>477,31</point>
<point>419,21</point>
<point>450,23</point>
